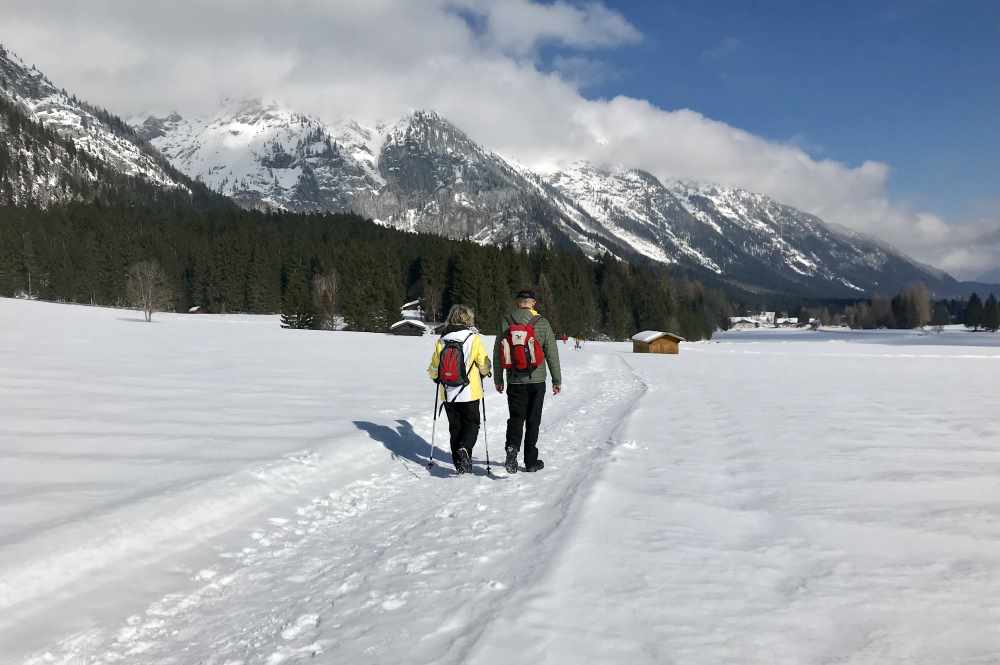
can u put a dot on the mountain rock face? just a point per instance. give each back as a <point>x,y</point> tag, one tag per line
<point>55,148</point>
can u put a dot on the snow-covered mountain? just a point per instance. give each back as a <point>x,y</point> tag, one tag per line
<point>740,236</point>
<point>55,147</point>
<point>263,155</point>
<point>422,173</point>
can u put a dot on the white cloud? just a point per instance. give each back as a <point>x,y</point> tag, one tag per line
<point>474,61</point>
<point>520,26</point>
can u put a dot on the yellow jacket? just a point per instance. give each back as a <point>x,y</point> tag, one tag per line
<point>477,359</point>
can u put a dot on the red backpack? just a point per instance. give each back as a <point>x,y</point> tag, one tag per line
<point>452,370</point>
<point>520,350</point>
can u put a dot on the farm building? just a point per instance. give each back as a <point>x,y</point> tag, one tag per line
<point>410,327</point>
<point>412,322</point>
<point>656,341</point>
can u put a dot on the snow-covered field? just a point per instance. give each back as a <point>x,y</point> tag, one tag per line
<point>217,490</point>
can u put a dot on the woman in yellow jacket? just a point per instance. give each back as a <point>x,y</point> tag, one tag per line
<point>461,403</point>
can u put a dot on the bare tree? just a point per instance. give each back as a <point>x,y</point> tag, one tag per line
<point>325,298</point>
<point>921,306</point>
<point>147,287</point>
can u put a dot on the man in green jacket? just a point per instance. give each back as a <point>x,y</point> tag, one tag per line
<point>526,390</point>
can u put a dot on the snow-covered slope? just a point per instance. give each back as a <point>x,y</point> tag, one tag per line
<point>38,169</point>
<point>264,155</point>
<point>634,206</point>
<point>740,236</point>
<point>195,490</point>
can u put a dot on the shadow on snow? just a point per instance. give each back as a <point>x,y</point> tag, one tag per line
<point>403,442</point>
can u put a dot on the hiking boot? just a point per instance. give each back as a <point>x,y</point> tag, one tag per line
<point>511,463</point>
<point>537,465</point>
<point>462,462</point>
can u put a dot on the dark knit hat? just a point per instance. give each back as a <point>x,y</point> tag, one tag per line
<point>525,293</point>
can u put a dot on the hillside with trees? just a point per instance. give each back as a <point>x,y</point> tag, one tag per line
<point>317,267</point>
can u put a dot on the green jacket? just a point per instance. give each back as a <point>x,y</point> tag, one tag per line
<point>547,338</point>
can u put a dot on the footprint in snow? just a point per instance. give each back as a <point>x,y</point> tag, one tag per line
<point>304,622</point>
<point>393,603</point>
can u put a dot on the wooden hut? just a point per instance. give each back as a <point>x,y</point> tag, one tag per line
<point>408,327</point>
<point>656,341</point>
<point>412,322</point>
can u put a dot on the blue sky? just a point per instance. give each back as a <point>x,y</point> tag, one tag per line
<point>913,84</point>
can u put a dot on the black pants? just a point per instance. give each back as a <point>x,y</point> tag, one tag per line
<point>524,400</point>
<point>463,425</point>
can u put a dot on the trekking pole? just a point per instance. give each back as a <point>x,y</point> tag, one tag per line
<point>486,436</point>
<point>434,425</point>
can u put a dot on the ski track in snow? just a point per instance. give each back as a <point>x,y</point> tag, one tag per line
<point>759,528</point>
<point>362,572</point>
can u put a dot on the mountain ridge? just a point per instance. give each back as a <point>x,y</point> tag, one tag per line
<point>423,173</point>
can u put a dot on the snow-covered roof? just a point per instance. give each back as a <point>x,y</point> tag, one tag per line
<point>413,304</point>
<point>648,336</point>
<point>408,322</point>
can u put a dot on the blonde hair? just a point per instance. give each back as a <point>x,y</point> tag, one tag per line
<point>461,315</point>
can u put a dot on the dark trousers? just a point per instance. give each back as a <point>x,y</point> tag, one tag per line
<point>524,400</point>
<point>463,425</point>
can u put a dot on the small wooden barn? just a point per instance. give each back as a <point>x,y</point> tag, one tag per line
<point>656,341</point>
<point>412,322</point>
<point>408,327</point>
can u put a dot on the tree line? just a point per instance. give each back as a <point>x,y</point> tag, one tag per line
<point>912,307</point>
<point>324,269</point>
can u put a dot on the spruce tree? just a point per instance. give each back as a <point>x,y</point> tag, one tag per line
<point>991,314</point>
<point>297,309</point>
<point>941,316</point>
<point>974,312</point>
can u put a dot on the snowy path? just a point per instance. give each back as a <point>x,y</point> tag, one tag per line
<point>750,518</point>
<point>391,564</point>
